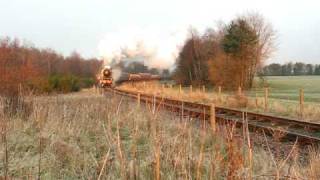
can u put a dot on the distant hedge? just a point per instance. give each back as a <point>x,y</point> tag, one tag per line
<point>64,84</point>
<point>60,84</point>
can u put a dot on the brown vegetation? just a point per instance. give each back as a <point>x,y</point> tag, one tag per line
<point>25,67</point>
<point>87,136</point>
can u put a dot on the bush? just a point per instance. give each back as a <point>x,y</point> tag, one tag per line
<point>86,82</point>
<point>59,83</point>
<point>66,83</point>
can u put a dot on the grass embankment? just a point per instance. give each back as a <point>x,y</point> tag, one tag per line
<point>282,99</point>
<point>88,136</point>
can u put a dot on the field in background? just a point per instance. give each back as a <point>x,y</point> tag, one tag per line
<point>280,87</point>
<point>287,87</point>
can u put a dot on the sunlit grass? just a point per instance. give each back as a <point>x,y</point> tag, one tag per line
<point>251,101</point>
<point>91,136</point>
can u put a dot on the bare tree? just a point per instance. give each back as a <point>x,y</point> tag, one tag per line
<point>192,60</point>
<point>266,44</point>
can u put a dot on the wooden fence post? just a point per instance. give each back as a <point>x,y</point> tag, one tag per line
<point>256,100</point>
<point>154,104</point>
<point>180,89</point>
<point>138,99</point>
<point>190,88</point>
<point>204,89</point>
<point>204,119</point>
<point>219,93</point>
<point>239,91</point>
<point>213,118</point>
<point>266,95</point>
<point>301,103</point>
<point>182,110</point>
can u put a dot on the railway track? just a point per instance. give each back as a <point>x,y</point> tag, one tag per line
<point>290,129</point>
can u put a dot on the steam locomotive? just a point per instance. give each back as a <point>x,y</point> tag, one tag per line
<point>106,79</point>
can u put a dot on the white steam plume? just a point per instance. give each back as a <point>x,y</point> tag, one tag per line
<point>116,74</point>
<point>157,49</point>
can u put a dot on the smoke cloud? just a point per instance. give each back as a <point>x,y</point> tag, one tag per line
<point>155,48</point>
<point>116,74</point>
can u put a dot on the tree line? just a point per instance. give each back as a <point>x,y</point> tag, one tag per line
<point>229,55</point>
<point>24,66</point>
<point>291,69</point>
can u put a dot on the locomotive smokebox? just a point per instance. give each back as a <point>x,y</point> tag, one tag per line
<point>106,72</point>
<point>106,77</point>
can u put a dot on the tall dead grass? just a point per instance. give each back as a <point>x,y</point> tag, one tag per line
<point>91,136</point>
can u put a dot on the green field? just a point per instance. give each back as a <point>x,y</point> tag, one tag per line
<point>287,87</point>
<point>280,87</point>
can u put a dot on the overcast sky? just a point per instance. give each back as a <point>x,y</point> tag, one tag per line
<point>81,25</point>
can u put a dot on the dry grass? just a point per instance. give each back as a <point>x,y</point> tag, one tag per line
<point>88,136</point>
<point>278,107</point>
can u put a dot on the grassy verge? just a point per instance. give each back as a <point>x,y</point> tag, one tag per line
<point>89,136</point>
<point>245,101</point>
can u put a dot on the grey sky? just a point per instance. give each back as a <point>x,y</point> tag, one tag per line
<point>67,25</point>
